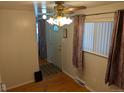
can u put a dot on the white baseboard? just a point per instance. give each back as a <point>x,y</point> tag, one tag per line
<point>68,74</point>
<point>18,85</point>
<point>90,89</point>
<point>74,78</point>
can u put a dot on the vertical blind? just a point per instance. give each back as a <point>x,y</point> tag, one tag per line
<point>97,37</point>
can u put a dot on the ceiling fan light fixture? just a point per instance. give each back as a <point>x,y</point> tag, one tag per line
<point>69,21</point>
<point>50,20</point>
<point>59,21</point>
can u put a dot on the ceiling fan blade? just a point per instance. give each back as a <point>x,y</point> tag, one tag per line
<point>73,9</point>
<point>59,2</point>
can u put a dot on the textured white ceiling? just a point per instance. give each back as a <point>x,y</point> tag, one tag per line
<point>88,4</point>
<point>50,4</point>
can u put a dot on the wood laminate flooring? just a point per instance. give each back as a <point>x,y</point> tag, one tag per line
<point>59,82</point>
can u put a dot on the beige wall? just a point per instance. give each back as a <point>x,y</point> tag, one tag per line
<point>94,66</point>
<point>67,52</point>
<point>18,47</point>
<point>0,78</point>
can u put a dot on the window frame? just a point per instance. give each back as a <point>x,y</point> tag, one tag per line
<point>92,52</point>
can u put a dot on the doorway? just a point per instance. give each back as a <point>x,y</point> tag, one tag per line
<point>49,48</point>
<point>41,37</point>
<point>54,45</point>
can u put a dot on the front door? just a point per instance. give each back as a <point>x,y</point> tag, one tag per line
<point>54,41</point>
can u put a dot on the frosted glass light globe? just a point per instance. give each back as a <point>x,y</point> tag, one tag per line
<point>59,21</point>
<point>44,17</point>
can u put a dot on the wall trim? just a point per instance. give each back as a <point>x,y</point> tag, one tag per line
<point>68,74</point>
<point>77,78</point>
<point>89,88</point>
<point>21,84</point>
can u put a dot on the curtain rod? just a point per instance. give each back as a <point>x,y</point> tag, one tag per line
<point>100,13</point>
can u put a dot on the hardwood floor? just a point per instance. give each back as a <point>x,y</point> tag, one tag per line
<point>59,82</point>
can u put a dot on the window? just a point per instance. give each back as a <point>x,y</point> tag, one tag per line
<point>97,37</point>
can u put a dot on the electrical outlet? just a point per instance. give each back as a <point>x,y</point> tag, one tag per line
<point>2,87</point>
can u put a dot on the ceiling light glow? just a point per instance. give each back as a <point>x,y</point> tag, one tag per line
<point>44,17</point>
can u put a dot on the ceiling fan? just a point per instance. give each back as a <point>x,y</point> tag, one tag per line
<point>67,9</point>
<point>60,8</point>
<point>57,17</point>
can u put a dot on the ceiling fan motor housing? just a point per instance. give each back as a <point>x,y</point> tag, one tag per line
<point>59,8</point>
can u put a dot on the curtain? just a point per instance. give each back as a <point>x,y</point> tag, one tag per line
<point>77,41</point>
<point>115,68</point>
<point>42,39</point>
